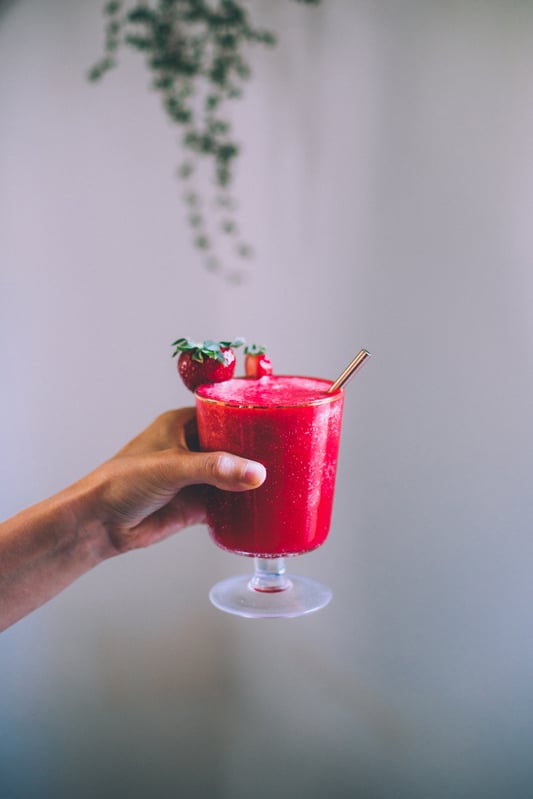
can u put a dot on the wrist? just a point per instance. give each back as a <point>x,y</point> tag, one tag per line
<point>79,507</point>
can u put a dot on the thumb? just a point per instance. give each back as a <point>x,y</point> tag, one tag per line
<point>223,470</point>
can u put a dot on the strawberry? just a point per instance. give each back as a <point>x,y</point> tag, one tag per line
<point>256,363</point>
<point>205,362</point>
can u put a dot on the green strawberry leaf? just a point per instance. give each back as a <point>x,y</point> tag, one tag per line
<point>205,349</point>
<point>253,349</point>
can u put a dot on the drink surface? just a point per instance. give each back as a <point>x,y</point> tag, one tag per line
<point>292,426</point>
<point>268,392</point>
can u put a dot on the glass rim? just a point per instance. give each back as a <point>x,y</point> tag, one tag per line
<point>235,404</point>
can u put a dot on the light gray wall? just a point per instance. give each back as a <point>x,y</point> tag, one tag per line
<point>387,183</point>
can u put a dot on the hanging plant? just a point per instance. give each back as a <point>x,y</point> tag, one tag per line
<point>196,53</point>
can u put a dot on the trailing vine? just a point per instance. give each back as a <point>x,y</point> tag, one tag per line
<point>196,53</point>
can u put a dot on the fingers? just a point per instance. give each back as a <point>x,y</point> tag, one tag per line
<point>220,469</point>
<point>232,473</point>
<point>170,429</point>
<point>184,510</point>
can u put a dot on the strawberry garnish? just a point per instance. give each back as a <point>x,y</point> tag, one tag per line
<point>206,361</point>
<point>256,362</point>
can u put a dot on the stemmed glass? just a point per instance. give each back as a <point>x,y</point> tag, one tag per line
<point>292,425</point>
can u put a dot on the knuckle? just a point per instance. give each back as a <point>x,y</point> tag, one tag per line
<point>219,465</point>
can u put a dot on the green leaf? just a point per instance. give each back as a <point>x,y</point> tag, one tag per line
<point>112,7</point>
<point>186,170</point>
<point>244,250</point>
<point>138,42</point>
<point>196,220</point>
<point>141,14</point>
<point>253,349</point>
<point>202,242</point>
<point>237,342</point>
<point>212,101</point>
<point>228,226</point>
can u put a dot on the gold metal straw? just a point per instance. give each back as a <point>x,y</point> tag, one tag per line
<point>350,370</point>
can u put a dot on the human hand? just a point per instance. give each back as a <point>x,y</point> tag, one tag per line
<point>155,485</point>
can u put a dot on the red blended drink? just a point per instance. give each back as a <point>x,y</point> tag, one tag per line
<point>292,426</point>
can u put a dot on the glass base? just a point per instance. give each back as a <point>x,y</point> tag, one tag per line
<point>270,593</point>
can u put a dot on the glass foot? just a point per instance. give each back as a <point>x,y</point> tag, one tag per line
<point>270,593</point>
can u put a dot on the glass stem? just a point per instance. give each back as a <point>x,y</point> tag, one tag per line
<point>269,575</point>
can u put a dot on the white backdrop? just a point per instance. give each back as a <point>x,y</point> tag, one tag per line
<point>387,184</point>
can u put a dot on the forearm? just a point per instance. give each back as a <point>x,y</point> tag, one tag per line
<point>151,489</point>
<point>45,548</point>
